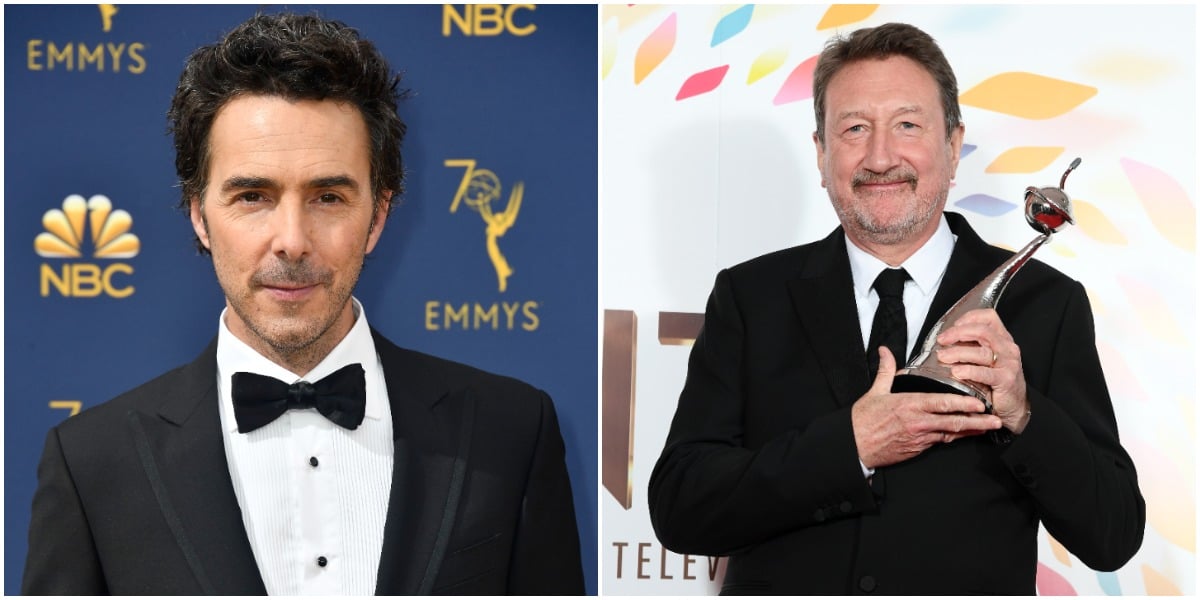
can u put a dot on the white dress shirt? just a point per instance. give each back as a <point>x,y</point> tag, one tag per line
<point>313,495</point>
<point>925,267</point>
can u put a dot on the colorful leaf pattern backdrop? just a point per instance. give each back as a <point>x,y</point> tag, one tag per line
<point>1038,87</point>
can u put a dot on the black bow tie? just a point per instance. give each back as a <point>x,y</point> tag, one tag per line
<point>340,396</point>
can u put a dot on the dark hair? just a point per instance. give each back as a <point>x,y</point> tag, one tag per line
<point>891,39</point>
<point>296,57</point>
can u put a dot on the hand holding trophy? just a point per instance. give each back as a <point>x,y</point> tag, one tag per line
<point>1047,210</point>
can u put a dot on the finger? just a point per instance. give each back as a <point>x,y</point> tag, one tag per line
<point>979,316</point>
<point>966,333</point>
<point>964,434</point>
<point>983,375</point>
<point>886,373</point>
<point>955,424</point>
<point>980,325</point>
<point>950,404</point>
<point>966,353</point>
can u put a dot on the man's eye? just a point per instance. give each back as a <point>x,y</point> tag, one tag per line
<point>908,125</point>
<point>855,132</point>
<point>249,197</point>
<point>329,198</point>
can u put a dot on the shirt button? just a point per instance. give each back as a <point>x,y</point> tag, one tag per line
<point>846,506</point>
<point>312,460</point>
<point>867,583</point>
<point>322,561</point>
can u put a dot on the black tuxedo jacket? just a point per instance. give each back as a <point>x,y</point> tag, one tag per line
<point>134,496</point>
<point>761,464</point>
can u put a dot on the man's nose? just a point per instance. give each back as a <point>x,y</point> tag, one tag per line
<point>881,152</point>
<point>291,233</point>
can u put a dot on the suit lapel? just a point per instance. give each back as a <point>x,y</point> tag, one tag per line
<point>183,455</point>
<point>182,452</point>
<point>823,298</point>
<point>431,427</point>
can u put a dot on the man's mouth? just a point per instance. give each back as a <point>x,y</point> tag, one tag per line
<point>886,185</point>
<point>290,292</point>
<point>885,181</point>
<point>287,282</point>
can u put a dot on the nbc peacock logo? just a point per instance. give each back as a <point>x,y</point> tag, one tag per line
<point>64,237</point>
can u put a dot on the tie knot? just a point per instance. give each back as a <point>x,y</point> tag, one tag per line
<point>890,283</point>
<point>301,395</point>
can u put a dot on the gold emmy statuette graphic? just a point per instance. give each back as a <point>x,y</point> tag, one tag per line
<point>479,189</point>
<point>107,11</point>
<point>1047,210</point>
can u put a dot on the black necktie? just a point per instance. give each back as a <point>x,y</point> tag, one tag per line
<point>889,328</point>
<point>340,396</point>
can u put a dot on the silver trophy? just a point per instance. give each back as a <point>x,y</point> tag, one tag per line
<point>1047,210</point>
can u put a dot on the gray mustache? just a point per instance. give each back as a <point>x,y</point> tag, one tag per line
<point>300,274</point>
<point>893,176</point>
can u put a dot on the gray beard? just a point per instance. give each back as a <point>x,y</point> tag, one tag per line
<point>887,235</point>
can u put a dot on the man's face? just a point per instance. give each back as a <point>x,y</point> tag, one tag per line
<point>288,216</point>
<point>886,160</point>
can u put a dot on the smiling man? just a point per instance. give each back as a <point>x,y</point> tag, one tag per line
<point>788,451</point>
<point>301,452</point>
<point>288,217</point>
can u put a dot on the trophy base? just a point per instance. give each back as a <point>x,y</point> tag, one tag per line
<point>921,380</point>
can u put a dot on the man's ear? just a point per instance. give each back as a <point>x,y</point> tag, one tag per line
<point>199,225</point>
<point>956,144</point>
<point>378,218</point>
<point>820,157</point>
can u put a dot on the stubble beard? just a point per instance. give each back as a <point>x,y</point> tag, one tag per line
<point>293,341</point>
<point>854,212</point>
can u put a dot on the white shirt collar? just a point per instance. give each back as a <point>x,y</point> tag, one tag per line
<point>234,355</point>
<point>926,266</point>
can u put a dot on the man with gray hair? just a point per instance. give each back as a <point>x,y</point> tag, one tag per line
<point>790,454</point>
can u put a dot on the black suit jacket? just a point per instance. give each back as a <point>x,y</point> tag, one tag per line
<point>134,496</point>
<point>761,464</point>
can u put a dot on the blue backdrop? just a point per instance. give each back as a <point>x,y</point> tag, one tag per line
<point>502,97</point>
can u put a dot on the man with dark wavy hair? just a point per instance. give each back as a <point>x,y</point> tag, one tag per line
<point>301,452</point>
<point>788,451</point>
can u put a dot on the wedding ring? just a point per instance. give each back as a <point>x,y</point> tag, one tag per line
<point>994,357</point>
